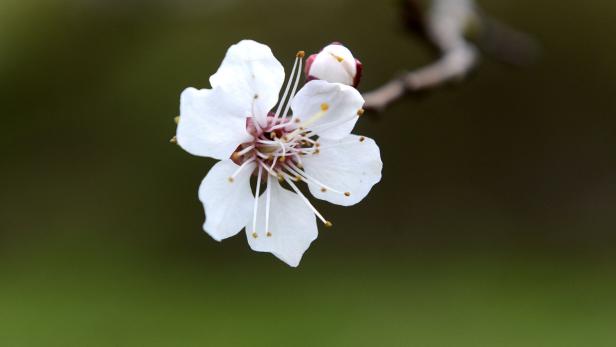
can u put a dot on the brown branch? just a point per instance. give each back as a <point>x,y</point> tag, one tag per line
<point>445,25</point>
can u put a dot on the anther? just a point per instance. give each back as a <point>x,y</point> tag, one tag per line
<point>235,156</point>
<point>174,140</point>
<point>339,58</point>
<point>360,112</point>
<point>317,151</point>
<point>361,139</point>
<point>176,119</point>
<point>231,179</point>
<point>300,54</point>
<point>347,194</point>
<point>268,234</point>
<point>256,96</point>
<point>297,120</point>
<point>297,178</point>
<point>323,189</point>
<point>328,224</point>
<point>255,235</point>
<point>282,159</point>
<point>324,106</point>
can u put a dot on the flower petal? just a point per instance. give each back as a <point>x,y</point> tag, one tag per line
<point>210,123</point>
<point>340,102</point>
<point>292,226</point>
<point>228,205</point>
<point>349,165</point>
<point>252,74</point>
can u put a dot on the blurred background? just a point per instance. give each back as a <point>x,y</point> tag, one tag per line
<point>494,224</point>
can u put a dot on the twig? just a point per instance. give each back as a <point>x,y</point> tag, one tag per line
<point>445,26</point>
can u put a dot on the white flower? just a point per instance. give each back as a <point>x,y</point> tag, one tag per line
<point>335,63</point>
<point>235,122</point>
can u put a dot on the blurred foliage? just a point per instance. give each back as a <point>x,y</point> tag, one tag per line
<point>493,225</point>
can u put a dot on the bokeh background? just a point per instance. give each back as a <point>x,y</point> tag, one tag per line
<point>494,224</point>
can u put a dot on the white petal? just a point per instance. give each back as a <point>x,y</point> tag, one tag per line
<point>228,205</point>
<point>335,63</point>
<point>252,74</point>
<point>210,124</point>
<point>346,165</point>
<point>342,101</point>
<point>292,225</point>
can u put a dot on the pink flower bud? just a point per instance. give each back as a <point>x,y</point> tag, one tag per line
<point>336,64</point>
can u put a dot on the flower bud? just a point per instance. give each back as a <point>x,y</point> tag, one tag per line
<point>336,64</point>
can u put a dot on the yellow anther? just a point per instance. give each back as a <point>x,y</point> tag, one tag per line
<point>317,144</point>
<point>317,151</point>
<point>361,139</point>
<point>268,234</point>
<point>323,189</point>
<point>297,178</point>
<point>255,235</point>
<point>324,106</point>
<point>347,194</point>
<point>328,224</point>
<point>235,156</point>
<point>282,159</point>
<point>176,119</point>
<point>280,178</point>
<point>297,120</point>
<point>174,140</point>
<point>300,54</point>
<point>339,58</point>
<point>231,179</point>
<point>360,112</point>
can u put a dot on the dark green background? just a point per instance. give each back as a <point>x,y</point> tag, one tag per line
<point>494,224</point>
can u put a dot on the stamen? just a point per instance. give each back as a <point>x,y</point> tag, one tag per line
<point>245,150</point>
<point>306,201</point>
<point>286,110</point>
<point>254,116</point>
<point>337,57</point>
<point>232,177</point>
<point>326,126</point>
<point>256,206</point>
<point>269,170</point>
<point>316,116</point>
<point>324,188</point>
<point>286,91</point>
<point>267,206</point>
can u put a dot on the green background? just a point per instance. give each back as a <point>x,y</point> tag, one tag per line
<point>494,224</point>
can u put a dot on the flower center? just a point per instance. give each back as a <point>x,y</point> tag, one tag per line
<point>278,146</point>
